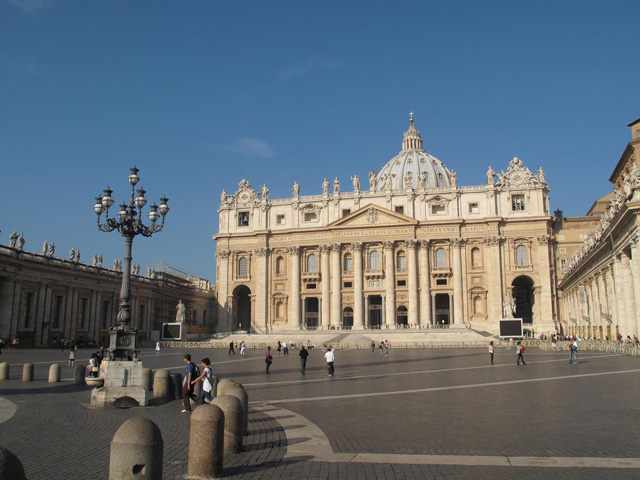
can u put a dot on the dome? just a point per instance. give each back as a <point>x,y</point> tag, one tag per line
<point>413,163</point>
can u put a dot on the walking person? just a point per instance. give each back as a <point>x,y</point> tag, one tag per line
<point>232,348</point>
<point>285,350</point>
<point>381,347</point>
<point>279,347</point>
<point>207,384</point>
<point>520,351</point>
<point>72,356</point>
<point>330,357</point>
<point>573,352</point>
<point>373,346</point>
<point>243,349</point>
<point>268,359</point>
<point>386,348</point>
<point>554,342</point>
<point>304,354</point>
<point>491,351</point>
<point>187,386</point>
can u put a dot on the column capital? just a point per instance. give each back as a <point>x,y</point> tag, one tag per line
<point>458,242</point>
<point>412,244</point>
<point>493,240</point>
<point>294,250</point>
<point>424,244</point>
<point>336,247</point>
<point>388,244</point>
<point>543,239</point>
<point>224,253</point>
<point>325,248</point>
<point>262,251</point>
<point>357,246</point>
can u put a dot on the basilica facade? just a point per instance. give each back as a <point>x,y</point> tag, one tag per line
<point>409,248</point>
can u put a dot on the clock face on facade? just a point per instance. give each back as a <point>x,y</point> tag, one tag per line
<point>244,197</point>
<point>517,178</point>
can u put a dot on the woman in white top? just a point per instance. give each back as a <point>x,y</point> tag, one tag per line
<point>207,384</point>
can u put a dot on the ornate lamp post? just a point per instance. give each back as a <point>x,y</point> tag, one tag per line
<point>122,343</point>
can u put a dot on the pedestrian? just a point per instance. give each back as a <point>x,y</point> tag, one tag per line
<point>62,344</point>
<point>158,346</point>
<point>330,357</point>
<point>386,348</point>
<point>207,384</point>
<point>279,347</point>
<point>285,350</point>
<point>554,342</point>
<point>72,357</point>
<point>373,346</point>
<point>268,359</point>
<point>93,366</point>
<point>381,347</point>
<point>304,353</point>
<point>491,351</point>
<point>520,351</point>
<point>573,352</point>
<point>231,348</point>
<point>243,348</point>
<point>187,386</point>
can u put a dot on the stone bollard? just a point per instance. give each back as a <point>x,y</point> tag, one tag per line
<point>228,386</point>
<point>54,373</point>
<point>197,389</point>
<point>206,442</point>
<point>136,451</point>
<point>78,375</point>
<point>241,395</point>
<point>176,382</point>
<point>214,386</point>
<point>221,384</point>
<point>147,379</point>
<point>10,466</point>
<point>5,371</point>
<point>27,372</point>
<point>162,384</point>
<point>232,409</point>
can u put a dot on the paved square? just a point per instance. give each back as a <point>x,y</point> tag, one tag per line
<point>428,413</point>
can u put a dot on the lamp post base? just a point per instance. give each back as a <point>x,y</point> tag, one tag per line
<point>122,343</point>
<point>122,385</point>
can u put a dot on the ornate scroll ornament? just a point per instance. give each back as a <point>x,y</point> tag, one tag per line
<point>517,175</point>
<point>372,215</point>
<point>336,247</point>
<point>424,244</point>
<point>325,248</point>
<point>295,250</point>
<point>411,244</point>
<point>388,245</point>
<point>262,251</point>
<point>494,240</point>
<point>357,246</point>
<point>245,195</point>
<point>224,253</point>
<point>543,239</point>
<point>457,242</point>
<point>438,200</point>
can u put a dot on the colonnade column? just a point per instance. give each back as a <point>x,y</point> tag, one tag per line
<point>390,284</point>
<point>494,287</point>
<point>262,281</point>
<point>223,290</point>
<point>425,279</point>
<point>358,313</point>
<point>546,312</point>
<point>605,313</point>
<point>326,305</point>
<point>617,282</point>
<point>611,297</point>
<point>413,282</point>
<point>458,313</point>
<point>294,306</point>
<point>635,273</point>
<point>629,301</point>
<point>336,285</point>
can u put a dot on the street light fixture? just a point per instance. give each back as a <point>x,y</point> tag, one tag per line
<point>122,343</point>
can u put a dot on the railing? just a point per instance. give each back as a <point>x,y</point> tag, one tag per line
<point>609,346</point>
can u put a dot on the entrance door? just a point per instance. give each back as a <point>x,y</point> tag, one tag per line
<point>442,309</point>
<point>347,318</point>
<point>402,316</point>
<point>523,295</point>
<point>375,311</point>
<point>311,313</point>
<point>242,304</point>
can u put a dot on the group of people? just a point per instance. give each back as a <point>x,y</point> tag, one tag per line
<point>383,347</point>
<point>233,346</point>
<point>304,355</point>
<point>520,348</point>
<point>193,375</point>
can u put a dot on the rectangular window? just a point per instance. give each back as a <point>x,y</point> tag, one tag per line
<point>583,236</point>
<point>560,237</point>
<point>402,283</point>
<point>141,312</point>
<point>311,286</point>
<point>243,219</point>
<point>194,318</point>
<point>279,219</point>
<point>438,209</point>
<point>400,210</point>
<point>310,216</point>
<point>348,264</point>
<point>57,312</point>
<point>563,262</point>
<point>441,281</point>
<point>474,208</point>
<point>204,317</point>
<point>84,313</point>
<point>517,203</point>
<point>348,284</point>
<point>29,311</point>
<point>346,211</point>
<point>106,314</point>
<point>562,250</point>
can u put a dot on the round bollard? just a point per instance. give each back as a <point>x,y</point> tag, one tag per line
<point>5,371</point>
<point>161,384</point>
<point>227,386</point>
<point>176,382</point>
<point>206,442</point>
<point>78,375</point>
<point>27,372</point>
<point>232,409</point>
<point>136,451</point>
<point>214,386</point>
<point>10,466</point>
<point>241,395</point>
<point>54,373</point>
<point>221,384</point>
<point>147,379</point>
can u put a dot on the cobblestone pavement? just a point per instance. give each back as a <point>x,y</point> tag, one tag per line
<point>412,405</point>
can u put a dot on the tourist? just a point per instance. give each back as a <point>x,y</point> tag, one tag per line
<point>381,347</point>
<point>330,357</point>
<point>187,386</point>
<point>386,348</point>
<point>285,350</point>
<point>573,352</point>
<point>207,384</point>
<point>158,346</point>
<point>268,359</point>
<point>279,347</point>
<point>303,359</point>
<point>243,349</point>
<point>554,342</point>
<point>72,356</point>
<point>491,351</point>
<point>93,366</point>
<point>231,348</point>
<point>373,346</point>
<point>520,351</point>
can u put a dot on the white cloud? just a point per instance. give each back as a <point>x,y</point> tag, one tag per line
<point>251,147</point>
<point>310,65</point>
<point>31,6</point>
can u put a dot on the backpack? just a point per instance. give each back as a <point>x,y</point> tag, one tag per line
<point>196,370</point>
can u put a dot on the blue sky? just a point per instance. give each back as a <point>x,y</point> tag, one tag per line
<point>201,94</point>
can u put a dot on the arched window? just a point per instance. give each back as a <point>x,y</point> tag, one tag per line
<point>374,260</point>
<point>243,267</point>
<point>441,258</point>
<point>279,266</point>
<point>402,261</point>
<point>312,263</point>
<point>476,258</point>
<point>348,263</point>
<point>521,255</point>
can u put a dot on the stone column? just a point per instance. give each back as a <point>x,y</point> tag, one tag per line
<point>629,300</point>
<point>425,284</point>
<point>39,320</point>
<point>594,306</point>
<point>358,313</point>
<point>294,313</point>
<point>635,274</point>
<point>262,282</point>
<point>546,311</point>
<point>433,309</point>
<point>458,294</point>
<point>616,293</point>
<point>336,285</point>
<point>605,316</point>
<point>413,318</point>
<point>390,284</point>
<point>326,283</point>
<point>223,291</point>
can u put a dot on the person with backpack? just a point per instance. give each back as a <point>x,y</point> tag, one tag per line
<point>304,354</point>
<point>520,351</point>
<point>207,383</point>
<point>268,359</point>
<point>187,386</point>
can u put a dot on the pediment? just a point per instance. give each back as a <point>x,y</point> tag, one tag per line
<point>373,215</point>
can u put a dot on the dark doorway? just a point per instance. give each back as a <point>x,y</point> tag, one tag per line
<point>523,295</point>
<point>347,318</point>
<point>242,308</point>
<point>442,309</point>
<point>402,316</point>
<point>311,313</point>
<point>375,311</point>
